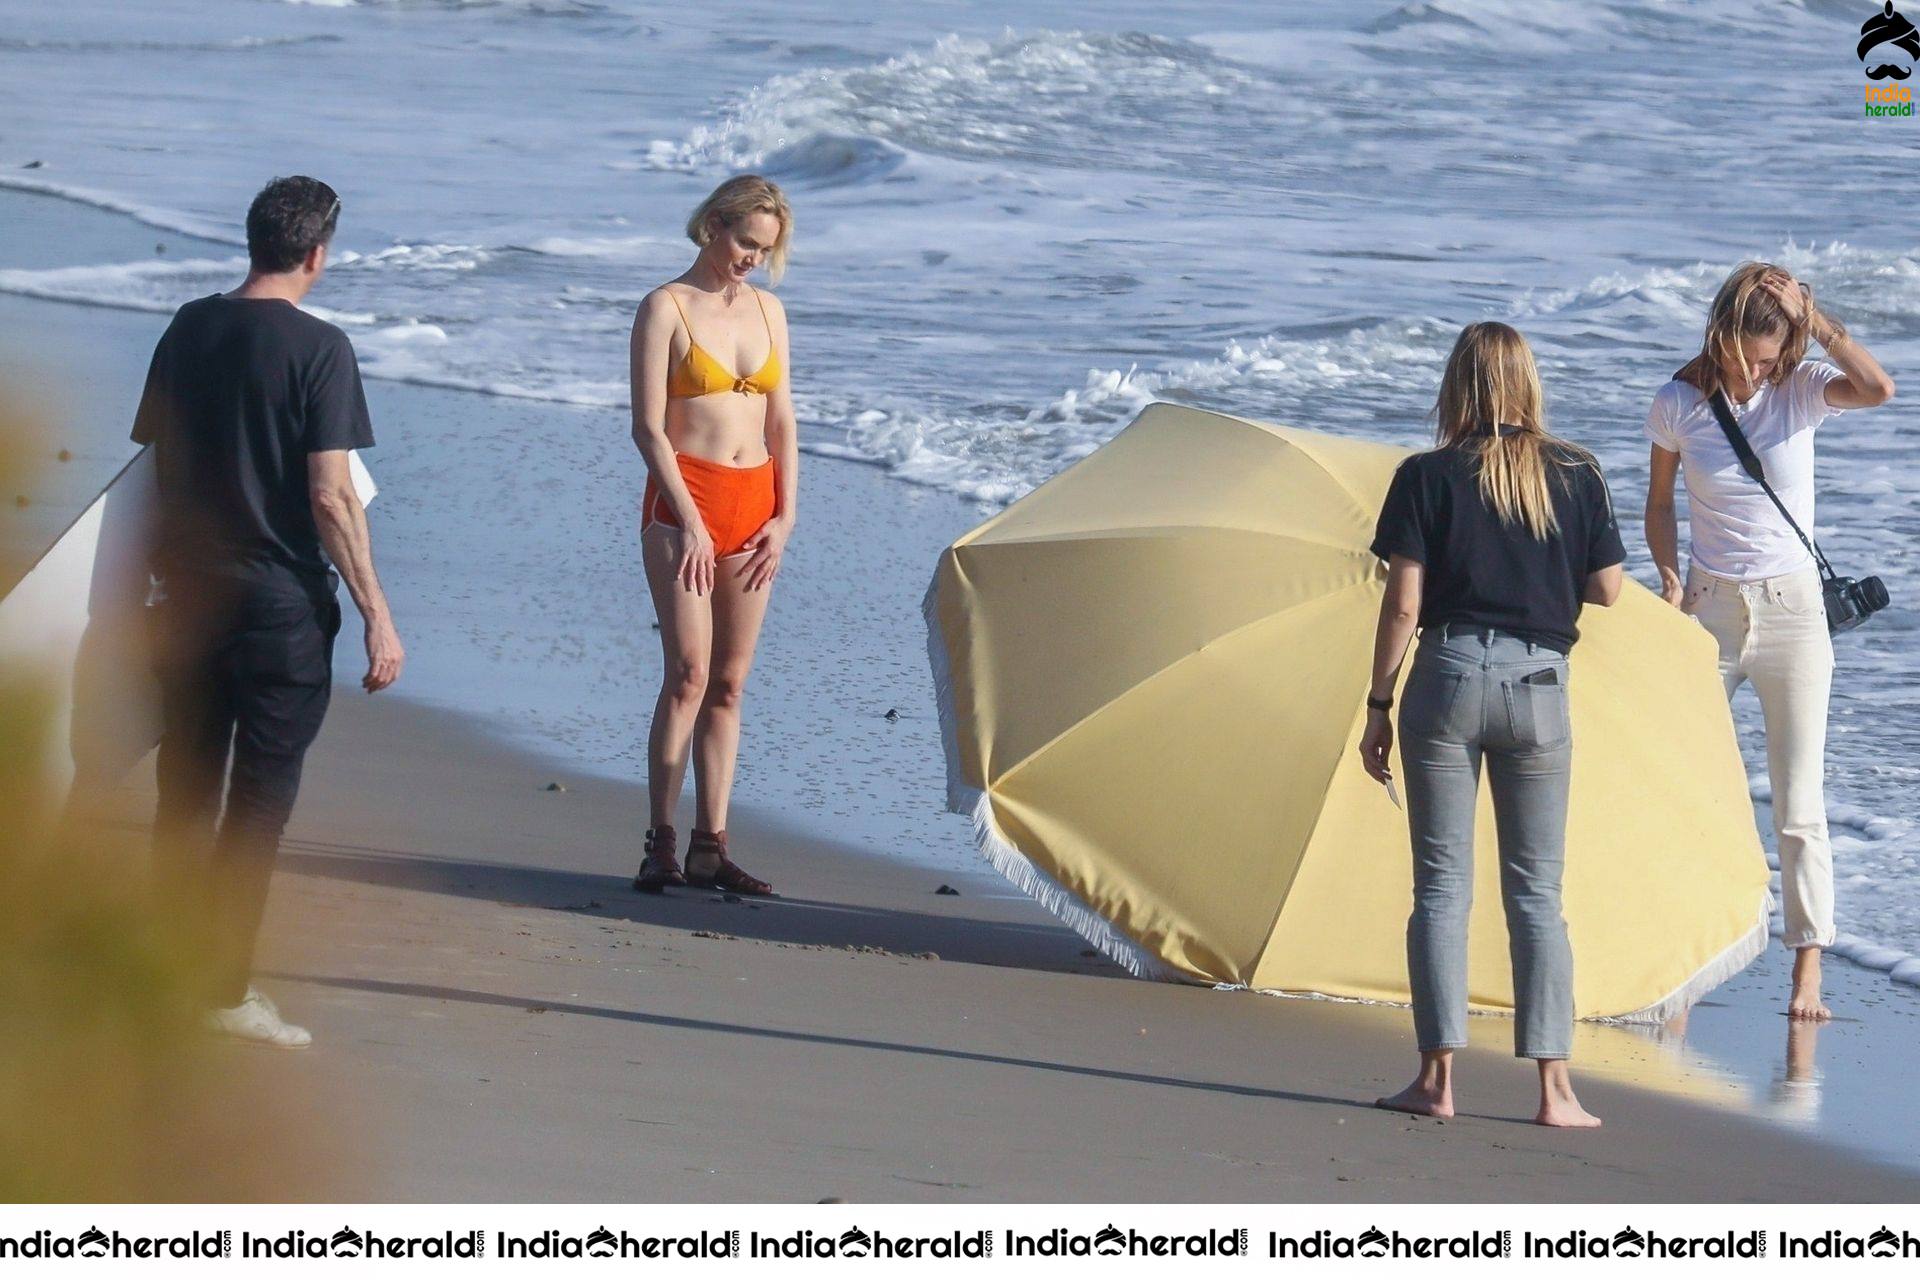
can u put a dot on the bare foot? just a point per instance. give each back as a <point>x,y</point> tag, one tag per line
<point>1566,1115</point>
<point>1805,1005</point>
<point>1559,1109</point>
<point>1431,1093</point>
<point>1420,1099</point>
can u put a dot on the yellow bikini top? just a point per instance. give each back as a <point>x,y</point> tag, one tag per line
<point>699,374</point>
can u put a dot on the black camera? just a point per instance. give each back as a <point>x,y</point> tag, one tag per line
<point>1851,601</point>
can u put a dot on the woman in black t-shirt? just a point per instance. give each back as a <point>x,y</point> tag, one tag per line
<point>1493,542</point>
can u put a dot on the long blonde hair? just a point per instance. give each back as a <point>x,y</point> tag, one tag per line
<point>1742,309</point>
<point>739,197</point>
<point>1491,404</point>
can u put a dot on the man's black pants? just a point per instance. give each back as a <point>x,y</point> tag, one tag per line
<point>246,670</point>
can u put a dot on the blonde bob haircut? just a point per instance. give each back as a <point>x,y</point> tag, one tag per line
<point>1491,404</point>
<point>741,197</point>
<point>1743,309</point>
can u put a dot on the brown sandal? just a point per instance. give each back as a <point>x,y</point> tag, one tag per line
<point>724,874</point>
<point>659,868</point>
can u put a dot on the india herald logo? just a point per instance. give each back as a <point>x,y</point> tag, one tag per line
<point>1887,35</point>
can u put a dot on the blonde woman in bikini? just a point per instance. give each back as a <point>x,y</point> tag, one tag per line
<point>714,421</point>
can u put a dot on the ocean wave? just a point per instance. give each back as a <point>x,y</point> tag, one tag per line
<point>1065,99</point>
<point>829,159</point>
<point>634,248</point>
<point>1876,287</point>
<point>159,286</point>
<point>416,257</point>
<point>995,453</point>
<point>1678,290</point>
<point>239,44</point>
<point>162,284</point>
<point>1508,24</point>
<point>164,219</point>
<point>817,159</point>
<point>415,352</point>
<point>395,349</point>
<point>1565,28</point>
<point>539,8</point>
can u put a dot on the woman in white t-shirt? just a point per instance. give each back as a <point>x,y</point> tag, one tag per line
<point>1750,580</point>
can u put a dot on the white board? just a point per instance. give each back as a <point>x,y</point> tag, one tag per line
<point>76,622</point>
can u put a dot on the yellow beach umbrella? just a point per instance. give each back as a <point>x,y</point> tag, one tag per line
<point>1152,674</point>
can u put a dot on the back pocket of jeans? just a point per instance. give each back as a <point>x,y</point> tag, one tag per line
<point>1538,711</point>
<point>1433,702</point>
<point>287,642</point>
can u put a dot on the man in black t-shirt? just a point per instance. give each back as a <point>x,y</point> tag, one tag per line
<point>251,406</point>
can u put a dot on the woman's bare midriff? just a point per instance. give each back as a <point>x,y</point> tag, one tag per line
<point>733,433</point>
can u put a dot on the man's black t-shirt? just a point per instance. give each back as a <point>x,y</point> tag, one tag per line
<point>1479,571</point>
<point>240,391</point>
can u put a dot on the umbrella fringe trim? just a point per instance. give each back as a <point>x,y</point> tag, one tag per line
<point>1065,905</point>
<point>1716,971</point>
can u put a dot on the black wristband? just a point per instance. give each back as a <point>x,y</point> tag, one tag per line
<point>1379,704</point>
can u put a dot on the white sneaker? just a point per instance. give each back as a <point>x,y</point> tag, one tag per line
<point>255,1018</point>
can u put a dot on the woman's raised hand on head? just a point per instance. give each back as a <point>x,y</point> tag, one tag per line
<point>1795,298</point>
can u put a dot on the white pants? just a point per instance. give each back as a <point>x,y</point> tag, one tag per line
<point>1773,632</point>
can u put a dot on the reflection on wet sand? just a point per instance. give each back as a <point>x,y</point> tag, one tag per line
<point>1795,1097</point>
<point>1836,1078</point>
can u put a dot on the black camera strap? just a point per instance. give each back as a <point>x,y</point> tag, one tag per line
<point>1750,463</point>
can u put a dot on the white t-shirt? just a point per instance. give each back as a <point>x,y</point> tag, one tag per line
<point>1737,532</point>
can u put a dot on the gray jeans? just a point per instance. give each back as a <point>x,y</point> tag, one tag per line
<point>1468,698</point>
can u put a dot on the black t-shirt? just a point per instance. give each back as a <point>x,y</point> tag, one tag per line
<point>1480,571</point>
<point>240,391</point>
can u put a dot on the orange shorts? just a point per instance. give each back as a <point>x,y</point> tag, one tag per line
<point>733,501</point>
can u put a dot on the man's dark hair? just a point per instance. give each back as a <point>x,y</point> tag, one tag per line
<point>287,220</point>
